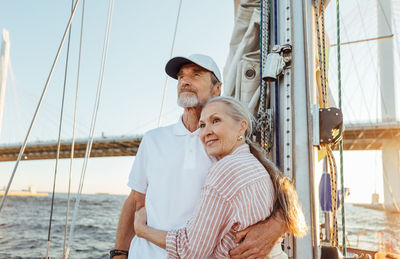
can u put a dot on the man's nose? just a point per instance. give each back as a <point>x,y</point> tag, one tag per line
<point>185,81</point>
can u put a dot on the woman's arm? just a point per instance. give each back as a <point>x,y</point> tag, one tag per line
<point>153,235</point>
<point>208,224</point>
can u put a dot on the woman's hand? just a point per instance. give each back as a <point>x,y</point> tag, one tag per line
<point>140,222</point>
<point>155,236</point>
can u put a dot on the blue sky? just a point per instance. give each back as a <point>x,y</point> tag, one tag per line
<point>140,42</point>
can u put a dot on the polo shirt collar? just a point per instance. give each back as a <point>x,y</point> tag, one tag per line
<point>179,129</point>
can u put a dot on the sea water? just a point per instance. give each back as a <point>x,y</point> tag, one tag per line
<point>24,224</point>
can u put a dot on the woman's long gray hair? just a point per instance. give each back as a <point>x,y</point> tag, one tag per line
<point>286,199</point>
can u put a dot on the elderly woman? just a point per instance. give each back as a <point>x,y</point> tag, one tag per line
<point>241,189</point>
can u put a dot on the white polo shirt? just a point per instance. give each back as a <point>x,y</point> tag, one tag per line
<point>170,168</point>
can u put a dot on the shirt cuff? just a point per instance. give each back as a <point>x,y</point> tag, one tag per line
<point>172,244</point>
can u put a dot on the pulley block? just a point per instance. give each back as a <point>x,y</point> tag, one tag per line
<point>330,125</point>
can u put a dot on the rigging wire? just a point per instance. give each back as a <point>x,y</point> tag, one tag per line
<point>277,119</point>
<point>38,107</point>
<point>170,56</point>
<point>73,132</point>
<point>59,137</point>
<point>341,140</point>
<point>92,126</point>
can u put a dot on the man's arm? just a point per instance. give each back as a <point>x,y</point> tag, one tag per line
<point>126,231</point>
<point>259,239</point>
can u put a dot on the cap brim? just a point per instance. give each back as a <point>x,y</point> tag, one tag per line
<point>174,65</point>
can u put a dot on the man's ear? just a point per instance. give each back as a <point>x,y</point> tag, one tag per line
<point>216,89</point>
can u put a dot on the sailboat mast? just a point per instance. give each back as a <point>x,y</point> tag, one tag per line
<point>303,153</point>
<point>390,150</point>
<point>4,60</point>
<point>294,28</point>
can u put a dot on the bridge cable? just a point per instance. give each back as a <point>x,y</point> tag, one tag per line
<point>170,56</point>
<point>92,126</point>
<point>73,132</point>
<point>21,152</point>
<point>59,138</point>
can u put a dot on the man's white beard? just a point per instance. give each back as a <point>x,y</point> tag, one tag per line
<point>187,100</point>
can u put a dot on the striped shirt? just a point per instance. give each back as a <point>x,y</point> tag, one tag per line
<point>238,193</point>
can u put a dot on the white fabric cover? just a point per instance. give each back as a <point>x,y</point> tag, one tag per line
<point>244,44</point>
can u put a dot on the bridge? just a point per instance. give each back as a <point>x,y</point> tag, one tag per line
<point>355,137</point>
<point>102,147</point>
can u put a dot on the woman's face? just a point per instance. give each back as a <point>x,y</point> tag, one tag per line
<point>218,131</point>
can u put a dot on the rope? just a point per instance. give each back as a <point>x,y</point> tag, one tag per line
<point>319,53</point>
<point>92,126</point>
<point>59,138</point>
<point>73,134</point>
<point>21,152</point>
<point>341,140</point>
<point>331,159</point>
<point>324,51</point>
<point>332,172</point>
<point>263,116</point>
<point>170,56</point>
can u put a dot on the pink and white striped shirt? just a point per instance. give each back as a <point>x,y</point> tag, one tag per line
<point>238,193</point>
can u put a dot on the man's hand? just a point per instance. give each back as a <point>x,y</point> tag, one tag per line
<point>258,240</point>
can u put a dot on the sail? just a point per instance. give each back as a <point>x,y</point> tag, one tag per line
<point>4,60</point>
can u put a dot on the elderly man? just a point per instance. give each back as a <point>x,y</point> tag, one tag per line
<point>170,169</point>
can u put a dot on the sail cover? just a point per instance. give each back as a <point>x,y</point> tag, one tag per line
<point>242,68</point>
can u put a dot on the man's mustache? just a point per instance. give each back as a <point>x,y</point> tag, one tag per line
<point>187,89</point>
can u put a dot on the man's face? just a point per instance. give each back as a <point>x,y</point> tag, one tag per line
<point>195,86</point>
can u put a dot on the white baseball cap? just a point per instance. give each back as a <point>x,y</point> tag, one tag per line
<point>174,65</point>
